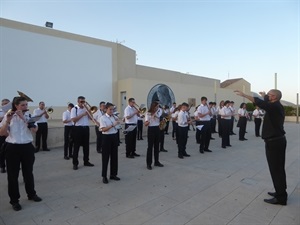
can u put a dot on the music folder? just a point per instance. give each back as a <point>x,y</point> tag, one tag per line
<point>199,127</point>
<point>34,119</point>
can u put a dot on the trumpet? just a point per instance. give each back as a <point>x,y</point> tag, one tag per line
<point>141,109</point>
<point>90,111</point>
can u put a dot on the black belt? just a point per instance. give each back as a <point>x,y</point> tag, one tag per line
<point>82,126</point>
<point>274,138</point>
<point>134,124</point>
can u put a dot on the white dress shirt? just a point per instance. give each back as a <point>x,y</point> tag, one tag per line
<point>67,116</point>
<point>226,113</point>
<point>172,109</point>
<point>257,113</point>
<point>18,132</point>
<point>203,109</point>
<point>38,112</point>
<point>154,120</point>
<point>242,112</point>
<point>129,111</point>
<point>175,116</point>
<point>83,121</point>
<point>98,114</point>
<point>107,121</point>
<point>182,119</point>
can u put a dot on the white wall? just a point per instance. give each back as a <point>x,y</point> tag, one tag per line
<point>54,70</point>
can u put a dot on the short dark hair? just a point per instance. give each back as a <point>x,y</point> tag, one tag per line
<point>101,103</point>
<point>242,104</point>
<point>203,98</point>
<point>108,104</point>
<point>185,104</point>
<point>174,103</point>
<point>210,103</point>
<point>41,102</point>
<point>71,105</point>
<point>130,99</point>
<point>80,97</point>
<point>232,102</point>
<point>226,102</point>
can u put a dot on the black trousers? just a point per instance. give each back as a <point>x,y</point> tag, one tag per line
<point>257,122</point>
<point>68,141</point>
<point>182,139</point>
<point>110,152</point>
<point>225,132</point>
<point>41,133</point>
<point>219,125</point>
<point>213,123</point>
<point>153,136</point>
<point>198,132</point>
<point>81,136</point>
<point>275,153</point>
<point>99,139</point>
<point>130,140</point>
<point>242,124</point>
<point>167,127</point>
<point>231,125</point>
<point>140,129</point>
<point>20,155</point>
<point>2,151</point>
<point>174,129</point>
<point>161,139</point>
<point>205,135</point>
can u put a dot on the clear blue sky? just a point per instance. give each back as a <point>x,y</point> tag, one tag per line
<point>251,39</point>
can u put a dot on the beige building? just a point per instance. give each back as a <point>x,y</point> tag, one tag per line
<point>57,66</point>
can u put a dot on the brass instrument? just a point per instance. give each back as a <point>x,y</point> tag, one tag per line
<point>49,110</point>
<point>116,116</point>
<point>90,111</point>
<point>142,109</point>
<point>25,96</point>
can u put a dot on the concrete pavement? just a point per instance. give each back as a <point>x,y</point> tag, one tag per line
<point>226,186</point>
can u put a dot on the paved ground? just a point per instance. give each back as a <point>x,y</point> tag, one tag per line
<point>222,187</point>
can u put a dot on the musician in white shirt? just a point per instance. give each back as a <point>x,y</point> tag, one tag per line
<point>231,107</point>
<point>97,115</point>
<point>131,117</point>
<point>213,118</point>
<point>242,123</point>
<point>167,112</point>
<point>81,132</point>
<point>43,127</point>
<point>19,151</point>
<point>258,115</point>
<point>183,123</point>
<point>225,114</point>
<point>174,114</point>
<point>152,121</point>
<point>68,125</point>
<point>110,143</point>
<point>219,118</point>
<point>204,115</point>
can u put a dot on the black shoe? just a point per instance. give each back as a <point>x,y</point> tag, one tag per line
<point>114,178</point>
<point>99,151</point>
<point>137,155</point>
<point>105,181</point>
<point>241,139</point>
<point>257,135</point>
<point>88,164</point>
<point>158,164</point>
<point>3,170</point>
<point>207,150</point>
<point>186,155</point>
<point>245,139</point>
<point>130,156</point>
<point>275,201</point>
<point>16,206</point>
<point>149,167</point>
<point>180,156</point>
<point>70,156</point>
<point>142,139</point>
<point>66,158</point>
<point>46,149</point>
<point>163,150</point>
<point>138,139</point>
<point>35,198</point>
<point>201,151</point>
<point>120,142</point>
<point>272,194</point>
<point>212,138</point>
<point>228,145</point>
<point>233,133</point>
<point>223,146</point>
<point>75,167</point>
<point>167,133</point>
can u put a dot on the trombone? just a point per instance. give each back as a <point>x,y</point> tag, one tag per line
<point>141,109</point>
<point>90,111</point>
